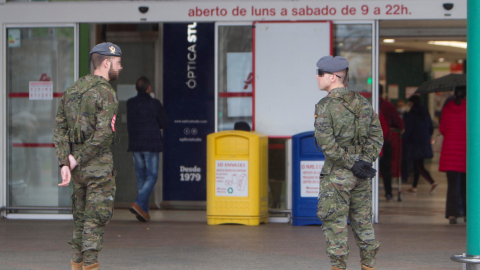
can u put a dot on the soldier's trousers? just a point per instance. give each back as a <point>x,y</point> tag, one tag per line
<point>343,195</point>
<point>92,206</point>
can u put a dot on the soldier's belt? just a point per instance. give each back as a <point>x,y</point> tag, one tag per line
<point>353,149</point>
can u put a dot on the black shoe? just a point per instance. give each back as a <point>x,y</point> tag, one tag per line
<point>452,220</point>
<point>389,197</point>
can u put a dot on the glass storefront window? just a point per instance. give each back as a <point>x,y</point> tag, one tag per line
<point>40,66</point>
<point>234,75</point>
<point>354,42</point>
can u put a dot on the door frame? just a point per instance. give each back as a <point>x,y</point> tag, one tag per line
<point>3,113</point>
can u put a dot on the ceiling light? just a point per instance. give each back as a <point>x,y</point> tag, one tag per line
<point>399,50</point>
<point>456,44</point>
<point>389,40</point>
<point>441,60</point>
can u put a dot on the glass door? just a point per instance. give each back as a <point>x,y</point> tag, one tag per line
<point>40,64</point>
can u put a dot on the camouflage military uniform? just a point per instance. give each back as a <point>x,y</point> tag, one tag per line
<point>84,127</point>
<point>347,129</point>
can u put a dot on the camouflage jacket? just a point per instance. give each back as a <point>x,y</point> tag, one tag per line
<point>344,118</point>
<point>86,117</point>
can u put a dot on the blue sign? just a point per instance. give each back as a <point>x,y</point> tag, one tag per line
<point>189,100</point>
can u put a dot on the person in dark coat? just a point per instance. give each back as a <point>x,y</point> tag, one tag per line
<point>393,120</point>
<point>416,143</point>
<point>453,157</point>
<point>145,118</point>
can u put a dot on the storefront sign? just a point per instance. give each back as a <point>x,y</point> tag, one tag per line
<point>310,178</point>
<point>231,178</point>
<point>180,11</point>
<point>40,90</point>
<point>189,100</point>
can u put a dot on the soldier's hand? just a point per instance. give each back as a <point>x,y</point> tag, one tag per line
<point>363,170</point>
<point>73,162</point>
<point>369,172</point>
<point>358,169</point>
<point>66,176</point>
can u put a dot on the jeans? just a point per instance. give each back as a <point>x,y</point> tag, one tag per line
<point>146,169</point>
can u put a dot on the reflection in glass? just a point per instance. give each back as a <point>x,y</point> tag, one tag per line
<point>40,54</point>
<point>354,42</point>
<point>234,75</point>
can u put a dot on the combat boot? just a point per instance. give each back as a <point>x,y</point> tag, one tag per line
<point>94,266</point>
<point>77,266</point>
<point>367,268</point>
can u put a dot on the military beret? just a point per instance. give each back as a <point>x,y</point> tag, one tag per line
<point>107,48</point>
<point>332,64</point>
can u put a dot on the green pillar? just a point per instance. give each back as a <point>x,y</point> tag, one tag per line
<point>473,128</point>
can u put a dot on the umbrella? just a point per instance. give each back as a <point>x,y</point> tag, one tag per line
<point>442,84</point>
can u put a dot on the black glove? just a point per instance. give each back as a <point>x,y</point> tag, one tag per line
<point>369,172</point>
<point>363,170</point>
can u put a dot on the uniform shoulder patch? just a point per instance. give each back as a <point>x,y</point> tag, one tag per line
<point>114,118</point>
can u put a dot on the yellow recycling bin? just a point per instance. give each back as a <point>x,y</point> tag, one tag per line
<point>237,172</point>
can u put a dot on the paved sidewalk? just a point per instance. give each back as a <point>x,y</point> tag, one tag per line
<point>130,244</point>
<point>414,235</point>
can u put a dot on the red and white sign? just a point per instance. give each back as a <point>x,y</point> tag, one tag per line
<point>310,178</point>
<point>231,178</point>
<point>40,90</point>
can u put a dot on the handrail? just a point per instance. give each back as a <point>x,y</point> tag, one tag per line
<point>465,259</point>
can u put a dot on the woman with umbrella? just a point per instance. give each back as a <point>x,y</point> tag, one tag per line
<point>453,157</point>
<point>416,143</point>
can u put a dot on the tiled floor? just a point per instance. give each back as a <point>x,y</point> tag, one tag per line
<point>419,208</point>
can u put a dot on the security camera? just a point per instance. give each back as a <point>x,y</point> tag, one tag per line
<point>447,6</point>
<point>144,9</point>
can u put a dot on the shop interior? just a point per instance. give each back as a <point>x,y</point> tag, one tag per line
<point>410,53</point>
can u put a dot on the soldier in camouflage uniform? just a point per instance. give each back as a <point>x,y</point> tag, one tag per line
<point>84,132</point>
<point>349,133</point>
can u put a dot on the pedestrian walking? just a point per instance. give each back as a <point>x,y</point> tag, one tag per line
<point>416,143</point>
<point>84,132</point>
<point>453,157</point>
<point>145,119</point>
<point>350,135</point>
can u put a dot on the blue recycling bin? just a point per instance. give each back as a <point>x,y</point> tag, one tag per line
<point>307,163</point>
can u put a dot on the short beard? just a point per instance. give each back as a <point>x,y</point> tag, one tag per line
<point>112,75</point>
